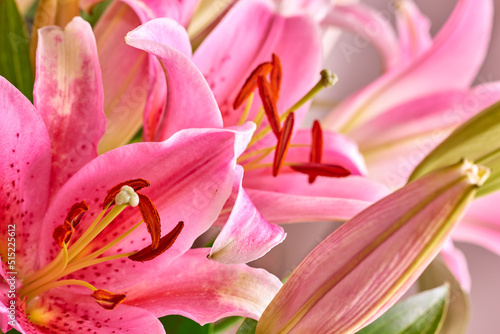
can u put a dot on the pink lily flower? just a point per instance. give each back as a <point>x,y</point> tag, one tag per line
<point>227,57</point>
<point>364,267</point>
<point>424,93</point>
<point>83,260</point>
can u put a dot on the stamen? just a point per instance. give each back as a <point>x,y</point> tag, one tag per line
<point>63,233</point>
<point>107,299</point>
<point>276,74</point>
<point>269,104</point>
<point>76,212</point>
<point>248,106</point>
<point>136,184</point>
<point>128,196</point>
<point>149,253</point>
<point>283,144</point>
<point>251,83</point>
<point>151,218</point>
<point>327,80</point>
<point>316,147</point>
<point>317,169</point>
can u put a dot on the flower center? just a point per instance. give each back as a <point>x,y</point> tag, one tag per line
<point>281,125</point>
<point>76,255</point>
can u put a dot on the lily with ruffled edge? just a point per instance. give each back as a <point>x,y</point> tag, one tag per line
<point>422,96</point>
<point>243,55</point>
<point>78,237</point>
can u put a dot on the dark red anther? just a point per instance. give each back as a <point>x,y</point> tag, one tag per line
<point>318,169</point>
<point>276,74</point>
<point>152,219</point>
<point>106,299</point>
<point>148,253</point>
<point>251,83</point>
<point>316,147</point>
<point>283,144</point>
<point>135,184</point>
<point>269,104</point>
<point>76,212</point>
<point>62,234</point>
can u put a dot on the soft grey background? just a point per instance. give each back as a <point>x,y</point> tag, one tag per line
<point>360,70</point>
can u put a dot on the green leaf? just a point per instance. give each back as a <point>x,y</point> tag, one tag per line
<point>181,325</point>
<point>247,327</point>
<point>96,12</point>
<point>420,314</point>
<point>15,63</point>
<point>478,140</point>
<point>458,314</point>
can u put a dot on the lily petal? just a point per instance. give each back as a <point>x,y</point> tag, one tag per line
<point>183,187</point>
<point>246,236</point>
<point>204,290</point>
<point>413,29</point>
<point>81,314</point>
<point>370,25</point>
<point>25,174</point>
<point>465,36</point>
<point>247,37</point>
<point>457,263</point>
<point>383,251</point>
<point>126,93</point>
<point>68,95</point>
<point>190,103</point>
<point>181,11</point>
<point>290,198</point>
<point>481,224</point>
<point>314,8</point>
<point>395,142</point>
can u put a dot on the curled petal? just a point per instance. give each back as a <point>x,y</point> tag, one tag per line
<point>169,42</point>
<point>246,236</point>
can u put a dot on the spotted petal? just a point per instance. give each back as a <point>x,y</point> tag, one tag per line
<point>191,178</point>
<point>24,174</point>
<point>68,95</point>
